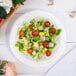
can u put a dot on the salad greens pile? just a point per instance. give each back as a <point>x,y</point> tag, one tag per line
<point>37,38</point>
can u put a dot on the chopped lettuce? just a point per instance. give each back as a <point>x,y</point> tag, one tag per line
<point>20,45</point>
<point>33,21</point>
<point>58,31</point>
<point>18,30</point>
<point>47,38</point>
<point>36,45</point>
<point>36,38</point>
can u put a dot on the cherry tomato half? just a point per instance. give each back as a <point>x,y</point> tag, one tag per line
<point>53,30</point>
<point>47,23</point>
<point>44,43</point>
<point>31,26</point>
<point>30,50</point>
<point>21,33</point>
<point>35,33</point>
<point>48,53</point>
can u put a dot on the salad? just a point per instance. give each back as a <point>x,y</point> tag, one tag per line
<point>37,38</point>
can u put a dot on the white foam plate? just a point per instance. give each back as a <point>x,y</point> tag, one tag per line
<point>57,52</point>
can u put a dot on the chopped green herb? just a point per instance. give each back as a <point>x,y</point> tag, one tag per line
<point>58,31</point>
<point>18,1</point>
<point>32,21</point>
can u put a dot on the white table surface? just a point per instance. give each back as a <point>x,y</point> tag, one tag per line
<point>61,9</point>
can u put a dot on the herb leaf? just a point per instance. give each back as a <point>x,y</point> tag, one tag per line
<point>18,1</point>
<point>3,13</point>
<point>58,31</point>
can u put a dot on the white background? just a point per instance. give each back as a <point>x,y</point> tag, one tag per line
<point>61,9</point>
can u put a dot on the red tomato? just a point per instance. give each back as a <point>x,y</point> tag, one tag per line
<point>31,26</point>
<point>21,33</point>
<point>35,33</point>
<point>44,43</point>
<point>53,30</point>
<point>48,53</point>
<point>29,50</point>
<point>47,23</point>
<point>1,19</point>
